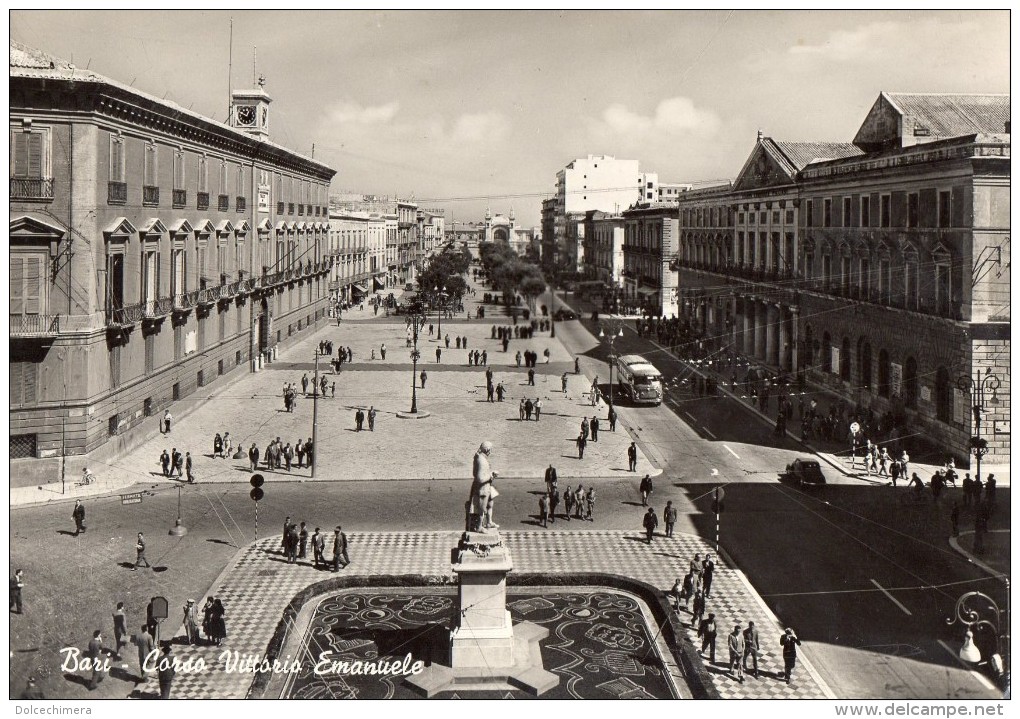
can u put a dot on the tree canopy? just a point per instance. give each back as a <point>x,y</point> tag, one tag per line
<point>509,273</point>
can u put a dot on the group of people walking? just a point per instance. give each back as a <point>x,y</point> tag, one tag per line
<point>279,455</point>
<point>295,540</point>
<point>175,462</point>
<point>578,503</point>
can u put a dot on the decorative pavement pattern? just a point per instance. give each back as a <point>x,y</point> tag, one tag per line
<point>596,645</point>
<point>259,584</point>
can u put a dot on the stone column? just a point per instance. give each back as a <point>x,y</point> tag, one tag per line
<point>733,314</point>
<point>795,342</point>
<point>771,320</point>
<point>784,340</point>
<point>748,325</point>
<point>760,320</point>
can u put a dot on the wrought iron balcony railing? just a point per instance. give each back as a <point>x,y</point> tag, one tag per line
<point>223,203</point>
<point>150,195</point>
<point>128,315</point>
<point>160,307</point>
<point>35,188</point>
<point>116,193</point>
<point>203,200</point>
<point>34,325</point>
<point>180,198</point>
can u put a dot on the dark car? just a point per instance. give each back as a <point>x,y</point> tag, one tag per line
<point>805,471</point>
<point>564,315</point>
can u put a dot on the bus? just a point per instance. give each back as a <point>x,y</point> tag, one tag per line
<point>638,379</point>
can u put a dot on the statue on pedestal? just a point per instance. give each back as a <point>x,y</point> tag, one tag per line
<point>483,493</point>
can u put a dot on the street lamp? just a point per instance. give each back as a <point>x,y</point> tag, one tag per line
<point>613,336</point>
<point>977,386</point>
<point>178,530</point>
<point>440,294</point>
<point>981,617</point>
<point>417,317</point>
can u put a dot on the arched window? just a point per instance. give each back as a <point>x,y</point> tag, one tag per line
<point>826,352</point>
<point>844,360</point>
<point>943,395</point>
<point>883,373</point>
<point>910,382</point>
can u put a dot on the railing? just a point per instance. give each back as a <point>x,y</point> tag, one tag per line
<point>180,198</point>
<point>207,296</point>
<point>223,292</point>
<point>116,316</point>
<point>223,203</point>
<point>241,203</point>
<point>116,193</point>
<point>185,300</point>
<point>300,209</point>
<point>279,208</point>
<point>246,286</point>
<point>290,208</point>
<point>34,325</point>
<point>158,307</point>
<point>35,188</point>
<point>203,200</point>
<point>150,195</point>
<point>234,287</point>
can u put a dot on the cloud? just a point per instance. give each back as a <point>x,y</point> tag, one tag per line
<point>874,40</point>
<point>353,113</point>
<point>673,116</point>
<point>479,127</point>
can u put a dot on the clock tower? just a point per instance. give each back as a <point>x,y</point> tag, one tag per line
<point>250,110</point>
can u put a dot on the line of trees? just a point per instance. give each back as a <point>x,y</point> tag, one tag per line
<point>510,274</point>
<point>446,269</point>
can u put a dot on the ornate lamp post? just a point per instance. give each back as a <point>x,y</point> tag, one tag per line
<point>417,317</point>
<point>440,295</point>
<point>982,618</point>
<point>613,336</point>
<point>976,386</point>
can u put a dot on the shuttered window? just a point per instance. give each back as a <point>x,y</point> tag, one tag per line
<point>151,170</point>
<point>24,382</point>
<point>177,277</point>
<point>179,171</point>
<point>27,150</point>
<point>117,159</point>
<point>203,174</point>
<point>27,275</point>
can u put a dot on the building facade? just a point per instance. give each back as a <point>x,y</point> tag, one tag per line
<point>494,228</point>
<point>603,248</point>
<point>152,250</point>
<point>651,239</point>
<point>879,269</point>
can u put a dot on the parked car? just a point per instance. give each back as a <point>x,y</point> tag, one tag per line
<point>805,471</point>
<point>564,315</point>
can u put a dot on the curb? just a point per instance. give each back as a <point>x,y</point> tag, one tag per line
<point>955,544</point>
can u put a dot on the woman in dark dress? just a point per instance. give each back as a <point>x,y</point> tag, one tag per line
<point>217,623</point>
<point>207,619</point>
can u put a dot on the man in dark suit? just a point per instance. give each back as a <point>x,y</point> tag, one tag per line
<point>752,647</point>
<point>632,457</point>
<point>166,671</point>
<point>340,549</point>
<point>96,652</point>
<point>650,522</point>
<point>789,641</point>
<point>550,479</point>
<point>707,631</point>
<point>78,514</point>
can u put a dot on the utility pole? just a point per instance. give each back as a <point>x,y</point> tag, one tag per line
<point>315,413</point>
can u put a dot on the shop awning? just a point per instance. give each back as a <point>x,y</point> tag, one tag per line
<point>379,284</point>
<point>648,291</point>
<point>359,288</point>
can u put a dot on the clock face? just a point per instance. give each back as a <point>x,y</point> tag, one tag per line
<point>245,115</point>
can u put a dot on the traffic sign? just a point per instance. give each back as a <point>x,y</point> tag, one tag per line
<point>257,480</point>
<point>855,428</point>
<point>257,494</point>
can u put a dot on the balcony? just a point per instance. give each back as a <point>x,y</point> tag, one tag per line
<point>184,302</point>
<point>207,296</point>
<point>150,195</point>
<point>116,193</point>
<point>235,287</point>
<point>36,188</point>
<point>223,203</point>
<point>124,316</point>
<point>241,203</point>
<point>223,292</point>
<point>290,208</point>
<point>154,309</point>
<point>279,208</point>
<point>34,325</point>
<point>180,198</point>
<point>300,210</point>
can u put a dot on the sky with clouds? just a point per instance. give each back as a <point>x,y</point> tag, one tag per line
<point>465,109</point>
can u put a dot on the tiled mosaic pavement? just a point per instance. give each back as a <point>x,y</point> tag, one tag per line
<point>257,587</point>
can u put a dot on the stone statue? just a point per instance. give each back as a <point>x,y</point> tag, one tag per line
<point>483,493</point>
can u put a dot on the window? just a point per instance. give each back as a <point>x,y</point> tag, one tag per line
<point>116,159</point>
<point>827,212</point>
<point>883,373</point>
<point>150,275</point>
<point>740,218</point>
<point>775,217</point>
<point>221,261</point>
<point>648,195</point>
<point>826,270</point>
<point>762,217</point>
<point>865,211</point>
<point>751,248</point>
<point>945,209</point>
<point>913,209</point>
<point>178,276</point>
<point>846,212</point>
<point>910,280</point>
<point>885,213</point>
<point>809,214</point>
<point>28,155</point>
<point>28,272</point>
<point>943,285</point>
<point>864,279</point>
<point>943,395</point>
<point>740,248</point>
<point>844,274</point>
<point>789,217</point>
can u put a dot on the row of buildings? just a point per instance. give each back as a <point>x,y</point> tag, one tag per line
<point>878,268</point>
<point>153,249</point>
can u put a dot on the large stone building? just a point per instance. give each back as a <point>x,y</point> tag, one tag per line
<point>651,239</point>
<point>878,268</point>
<point>494,228</point>
<point>358,240</point>
<point>152,250</point>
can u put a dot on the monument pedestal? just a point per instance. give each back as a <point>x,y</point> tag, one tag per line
<point>486,650</point>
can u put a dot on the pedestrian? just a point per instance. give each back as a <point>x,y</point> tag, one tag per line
<point>568,502</point>
<point>382,350</point>
<point>439,354</point>
<point>581,444</point>
<point>612,418</point>
<point>698,609</point>
<point>485,358</point>
<point>650,523</point>
<point>359,419</point>
<point>518,358</point>
<point>736,645</point>
<point>789,642</point>
<point>228,445</point>
<point>531,377</point>
<point>894,472</point>
<point>217,622</point>
<point>577,365</point>
<point>318,547</point>
<point>302,541</point>
<point>646,489</point>
<point>589,506</point>
<point>95,653</point>
<point>119,628</point>
<point>332,390</point>
<point>990,485</point>
<point>166,671</point>
<point>423,376</point>
<point>595,429</point>
<point>752,648</point>
<point>164,460</point>
<point>707,631</point>
<point>191,622</point>
<point>579,502</point>
<point>143,640</point>
<point>563,382</point>
<point>17,584</point>
<point>340,549</point>
<point>632,457</point>
<point>167,419</point>
<point>529,407</point>
<point>707,572</point>
<point>543,510</point>
<point>371,419</point>
<point>521,409</point>
<point>554,502</point>
<point>669,517</point>
<point>290,543</point>
<point>686,590</point>
<point>189,468</point>
<point>304,381</point>
<point>447,339</point>
<point>78,515</point>
<point>489,389</point>
<point>177,460</point>
<point>500,391</point>
<point>253,457</point>
<point>299,452</point>
<point>547,354</point>
<point>140,551</point>
<point>585,427</point>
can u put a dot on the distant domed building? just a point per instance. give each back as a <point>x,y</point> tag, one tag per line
<point>495,228</point>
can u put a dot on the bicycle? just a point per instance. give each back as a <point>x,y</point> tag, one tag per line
<point>86,478</point>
